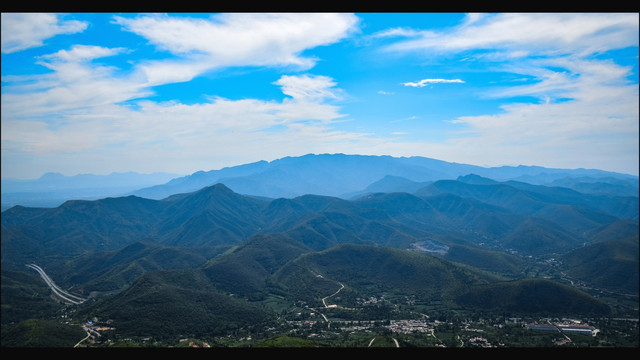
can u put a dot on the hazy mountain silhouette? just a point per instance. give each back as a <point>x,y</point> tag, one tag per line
<point>350,175</point>
<point>346,176</point>
<point>52,189</point>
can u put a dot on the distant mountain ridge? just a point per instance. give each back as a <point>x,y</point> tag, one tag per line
<point>339,175</point>
<point>347,176</point>
<point>52,189</point>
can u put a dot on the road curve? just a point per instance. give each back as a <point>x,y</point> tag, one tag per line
<point>56,290</point>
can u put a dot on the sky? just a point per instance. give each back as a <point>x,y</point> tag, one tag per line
<point>177,92</point>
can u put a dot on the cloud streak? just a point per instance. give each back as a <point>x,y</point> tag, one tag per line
<point>425,82</point>
<point>239,39</point>
<point>23,31</point>
<point>549,34</point>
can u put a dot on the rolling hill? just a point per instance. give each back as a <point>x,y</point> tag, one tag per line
<point>219,257</point>
<point>226,293</point>
<point>533,296</point>
<point>611,264</point>
<point>492,215</point>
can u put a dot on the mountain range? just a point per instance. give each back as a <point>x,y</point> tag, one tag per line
<point>340,175</point>
<point>458,235</point>
<point>349,176</point>
<point>531,219</point>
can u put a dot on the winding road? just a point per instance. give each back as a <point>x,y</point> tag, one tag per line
<point>65,296</point>
<point>327,306</point>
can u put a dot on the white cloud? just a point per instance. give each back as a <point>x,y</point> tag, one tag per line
<point>247,127</point>
<point>402,32</point>
<point>425,82</point>
<point>308,88</point>
<point>74,87</point>
<point>547,33</point>
<point>472,18</point>
<point>22,31</point>
<point>82,53</point>
<point>238,39</point>
<point>154,73</point>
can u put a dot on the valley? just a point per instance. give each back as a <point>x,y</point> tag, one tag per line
<point>329,327</point>
<point>468,261</point>
<point>398,325</point>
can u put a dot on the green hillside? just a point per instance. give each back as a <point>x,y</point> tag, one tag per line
<point>537,236</point>
<point>372,271</point>
<point>35,333</point>
<point>287,342</point>
<point>610,265</point>
<point>179,303</point>
<point>491,261</point>
<point>245,270</point>
<point>532,296</point>
<point>230,294</point>
<point>112,270</point>
<point>25,296</point>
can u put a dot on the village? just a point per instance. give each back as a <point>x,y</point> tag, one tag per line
<point>499,332</point>
<point>468,333</point>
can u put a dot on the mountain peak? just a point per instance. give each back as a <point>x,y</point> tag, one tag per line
<point>476,180</point>
<point>218,188</point>
<point>51,176</point>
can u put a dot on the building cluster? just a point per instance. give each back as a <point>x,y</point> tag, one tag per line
<point>579,329</point>
<point>370,300</point>
<point>479,342</point>
<point>410,326</point>
<point>565,328</point>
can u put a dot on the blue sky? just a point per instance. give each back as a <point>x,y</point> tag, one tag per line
<point>102,93</point>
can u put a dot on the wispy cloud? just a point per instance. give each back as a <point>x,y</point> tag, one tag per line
<point>547,33</point>
<point>308,88</point>
<point>425,82</point>
<point>22,31</point>
<point>239,39</point>
<point>173,126</point>
<point>75,86</point>
<point>82,53</point>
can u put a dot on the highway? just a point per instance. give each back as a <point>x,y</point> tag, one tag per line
<point>57,290</point>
